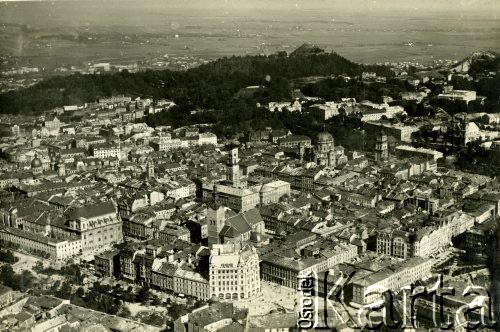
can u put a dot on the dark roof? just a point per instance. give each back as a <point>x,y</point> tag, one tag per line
<point>4,289</point>
<point>279,133</point>
<point>253,216</point>
<point>233,327</point>
<point>44,302</point>
<point>298,236</point>
<point>230,231</point>
<point>294,138</point>
<point>214,313</point>
<point>108,254</point>
<point>92,211</point>
<point>241,223</point>
<point>276,320</point>
<point>167,269</point>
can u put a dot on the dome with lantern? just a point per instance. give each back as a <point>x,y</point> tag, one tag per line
<point>324,138</point>
<point>36,165</point>
<point>36,162</point>
<point>324,142</point>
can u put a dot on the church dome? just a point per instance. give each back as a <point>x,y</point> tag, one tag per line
<point>324,138</point>
<point>36,163</point>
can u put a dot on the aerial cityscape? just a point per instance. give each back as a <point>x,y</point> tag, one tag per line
<point>249,166</point>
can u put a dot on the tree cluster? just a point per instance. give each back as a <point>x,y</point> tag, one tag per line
<point>100,302</point>
<point>8,257</point>
<point>336,88</point>
<point>17,281</point>
<point>72,272</point>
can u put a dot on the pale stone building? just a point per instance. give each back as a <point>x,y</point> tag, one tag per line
<point>234,272</point>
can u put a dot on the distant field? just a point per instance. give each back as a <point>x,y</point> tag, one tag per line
<point>58,32</point>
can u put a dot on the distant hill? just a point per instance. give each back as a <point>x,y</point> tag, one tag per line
<point>208,86</point>
<point>477,62</point>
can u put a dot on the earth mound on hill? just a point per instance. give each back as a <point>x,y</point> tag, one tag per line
<point>484,60</point>
<point>307,49</point>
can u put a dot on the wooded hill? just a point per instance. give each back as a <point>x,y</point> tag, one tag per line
<point>212,85</point>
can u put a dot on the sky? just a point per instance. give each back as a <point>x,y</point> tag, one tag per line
<point>420,5</point>
<point>426,5</point>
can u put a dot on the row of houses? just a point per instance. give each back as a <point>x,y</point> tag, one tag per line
<point>166,271</point>
<point>424,241</point>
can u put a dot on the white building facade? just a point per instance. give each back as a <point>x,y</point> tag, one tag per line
<point>234,272</point>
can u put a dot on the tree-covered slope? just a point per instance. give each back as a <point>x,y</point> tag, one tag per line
<point>211,85</point>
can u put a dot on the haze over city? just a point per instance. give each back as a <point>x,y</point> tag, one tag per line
<point>366,31</point>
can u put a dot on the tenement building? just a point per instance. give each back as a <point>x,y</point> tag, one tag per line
<point>190,283</point>
<point>424,241</point>
<point>234,272</point>
<point>56,249</point>
<point>106,151</point>
<point>392,277</point>
<point>97,225</point>
<point>244,199</point>
<point>48,232</point>
<point>285,264</point>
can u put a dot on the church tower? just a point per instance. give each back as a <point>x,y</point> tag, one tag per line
<point>495,150</point>
<point>61,169</point>
<point>216,221</point>
<point>233,168</point>
<point>53,162</point>
<point>381,149</point>
<point>150,168</point>
<point>302,151</point>
<point>331,159</point>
